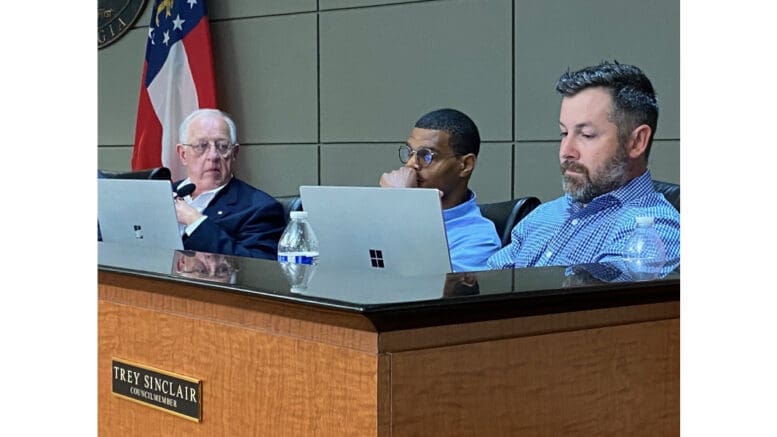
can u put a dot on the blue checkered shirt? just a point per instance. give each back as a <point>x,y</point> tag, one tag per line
<point>563,232</point>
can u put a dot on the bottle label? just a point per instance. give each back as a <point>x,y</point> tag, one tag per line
<point>296,259</point>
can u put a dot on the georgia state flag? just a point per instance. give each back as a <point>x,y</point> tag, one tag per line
<point>177,79</point>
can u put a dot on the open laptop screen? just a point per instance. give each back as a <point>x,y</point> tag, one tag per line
<point>396,230</point>
<point>138,212</point>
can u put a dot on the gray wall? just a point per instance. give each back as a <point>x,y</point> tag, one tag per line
<point>325,91</point>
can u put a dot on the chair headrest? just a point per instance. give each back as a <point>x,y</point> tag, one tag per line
<point>159,173</point>
<point>670,191</point>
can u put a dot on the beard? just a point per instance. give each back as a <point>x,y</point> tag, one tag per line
<point>583,188</point>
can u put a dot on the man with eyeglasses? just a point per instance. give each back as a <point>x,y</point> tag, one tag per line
<point>223,214</point>
<point>441,153</point>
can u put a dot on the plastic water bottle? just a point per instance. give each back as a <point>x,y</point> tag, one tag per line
<point>645,252</point>
<point>298,251</point>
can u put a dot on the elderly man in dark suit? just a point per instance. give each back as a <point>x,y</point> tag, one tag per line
<point>223,214</point>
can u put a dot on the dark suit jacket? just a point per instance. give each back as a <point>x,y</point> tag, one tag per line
<point>242,221</point>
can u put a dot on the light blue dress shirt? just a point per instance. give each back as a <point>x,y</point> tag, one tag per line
<point>472,238</point>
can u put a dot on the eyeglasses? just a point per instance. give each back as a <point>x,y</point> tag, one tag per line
<point>423,155</point>
<point>202,271</point>
<point>222,148</point>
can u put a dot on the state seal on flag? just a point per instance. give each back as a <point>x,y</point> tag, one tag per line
<point>114,19</point>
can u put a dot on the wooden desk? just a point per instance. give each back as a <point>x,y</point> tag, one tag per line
<point>532,353</point>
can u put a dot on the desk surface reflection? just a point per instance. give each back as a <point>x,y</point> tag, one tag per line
<point>473,295</point>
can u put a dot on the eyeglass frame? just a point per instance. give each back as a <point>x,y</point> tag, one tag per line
<point>422,162</point>
<point>195,147</point>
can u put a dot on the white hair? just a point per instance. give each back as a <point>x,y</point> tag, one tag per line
<point>184,129</point>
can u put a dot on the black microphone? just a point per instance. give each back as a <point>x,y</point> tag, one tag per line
<point>185,190</point>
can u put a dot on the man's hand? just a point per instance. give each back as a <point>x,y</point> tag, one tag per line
<point>404,177</point>
<point>186,213</point>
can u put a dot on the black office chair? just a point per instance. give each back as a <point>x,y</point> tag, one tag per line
<point>506,215</point>
<point>289,203</point>
<point>159,173</point>
<point>670,191</point>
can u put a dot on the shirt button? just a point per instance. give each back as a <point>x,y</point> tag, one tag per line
<point>574,222</point>
<point>548,254</point>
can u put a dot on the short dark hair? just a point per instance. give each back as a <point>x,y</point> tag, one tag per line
<point>464,135</point>
<point>634,100</point>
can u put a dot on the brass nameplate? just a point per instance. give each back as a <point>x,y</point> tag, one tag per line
<point>166,391</point>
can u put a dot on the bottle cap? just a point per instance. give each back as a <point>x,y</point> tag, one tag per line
<point>298,214</point>
<point>644,221</point>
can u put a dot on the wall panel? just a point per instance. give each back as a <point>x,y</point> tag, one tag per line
<point>279,170</point>
<point>340,4</point>
<point>231,9</point>
<point>664,161</point>
<point>120,67</point>
<point>266,77</point>
<point>537,171</point>
<point>554,35</point>
<point>114,158</point>
<point>493,172</point>
<point>382,66</point>
<point>357,164</point>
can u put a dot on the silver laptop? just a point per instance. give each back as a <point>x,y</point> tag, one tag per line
<point>137,212</point>
<point>395,230</point>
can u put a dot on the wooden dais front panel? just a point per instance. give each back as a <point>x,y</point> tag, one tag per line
<point>271,368</point>
<point>621,380</point>
<point>254,381</point>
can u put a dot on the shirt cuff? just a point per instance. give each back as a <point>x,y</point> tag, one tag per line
<point>192,227</point>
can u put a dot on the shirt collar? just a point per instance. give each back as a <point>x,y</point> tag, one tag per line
<point>460,209</point>
<point>206,193</point>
